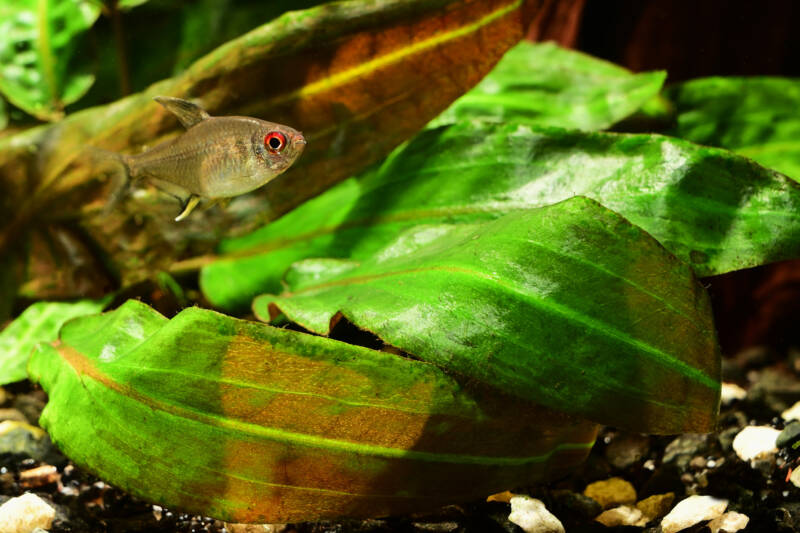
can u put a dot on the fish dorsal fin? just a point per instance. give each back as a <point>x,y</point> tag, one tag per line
<point>188,113</point>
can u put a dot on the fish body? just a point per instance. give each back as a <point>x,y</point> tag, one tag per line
<point>217,157</point>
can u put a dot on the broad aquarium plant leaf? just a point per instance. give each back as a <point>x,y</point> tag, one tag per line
<point>39,41</point>
<point>546,85</point>
<point>200,413</point>
<point>38,323</point>
<point>357,77</point>
<point>754,117</point>
<point>715,210</point>
<point>569,306</point>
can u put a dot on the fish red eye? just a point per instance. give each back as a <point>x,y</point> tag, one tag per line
<point>274,141</point>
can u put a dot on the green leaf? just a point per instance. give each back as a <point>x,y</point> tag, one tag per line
<point>39,38</point>
<point>715,210</point>
<point>38,323</point>
<point>545,85</point>
<point>755,117</point>
<point>569,306</point>
<point>249,423</point>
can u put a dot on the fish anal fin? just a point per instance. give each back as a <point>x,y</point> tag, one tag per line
<point>221,202</point>
<point>191,203</point>
<point>188,113</point>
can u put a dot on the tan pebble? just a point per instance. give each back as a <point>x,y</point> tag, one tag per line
<point>792,413</point>
<point>502,497</point>
<point>611,492</point>
<point>691,511</point>
<point>697,463</point>
<point>26,513</point>
<point>39,476</point>
<point>795,477</point>
<point>730,522</point>
<point>731,392</point>
<point>532,516</point>
<point>656,505</point>
<point>624,515</point>
<point>754,442</point>
<point>12,414</point>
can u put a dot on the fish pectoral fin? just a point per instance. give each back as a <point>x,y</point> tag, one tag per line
<point>188,113</point>
<point>191,203</point>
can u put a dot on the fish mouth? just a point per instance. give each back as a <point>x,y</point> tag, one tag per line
<point>299,140</point>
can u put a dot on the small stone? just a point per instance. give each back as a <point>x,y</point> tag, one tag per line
<point>681,450</point>
<point>697,463</point>
<point>26,513</point>
<point>795,477</point>
<point>3,396</point>
<point>570,503</point>
<point>626,450</point>
<point>38,477</point>
<point>789,435</point>
<point>533,517</point>
<point>755,442</point>
<point>731,392</point>
<point>792,413</point>
<point>12,414</point>
<point>611,492</point>
<point>254,528</point>
<point>502,497</point>
<point>656,505</point>
<point>21,437</point>
<point>691,511</point>
<point>624,515</point>
<point>730,522</point>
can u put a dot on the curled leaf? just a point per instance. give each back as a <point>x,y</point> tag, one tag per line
<point>569,306</point>
<point>250,423</point>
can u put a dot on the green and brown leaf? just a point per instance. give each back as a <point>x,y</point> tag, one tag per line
<point>340,72</point>
<point>569,306</point>
<point>201,413</point>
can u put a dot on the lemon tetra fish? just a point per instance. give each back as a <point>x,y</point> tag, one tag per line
<point>215,158</point>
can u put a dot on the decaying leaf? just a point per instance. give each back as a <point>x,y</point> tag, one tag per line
<point>249,423</point>
<point>357,78</point>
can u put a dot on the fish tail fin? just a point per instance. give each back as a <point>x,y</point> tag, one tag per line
<point>118,168</point>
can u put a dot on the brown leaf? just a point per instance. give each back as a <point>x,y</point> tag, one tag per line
<point>357,78</point>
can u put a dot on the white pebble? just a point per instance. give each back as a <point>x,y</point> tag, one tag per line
<point>532,516</point>
<point>691,511</point>
<point>755,442</point>
<point>624,515</point>
<point>731,392</point>
<point>730,522</point>
<point>25,513</point>
<point>792,413</point>
<point>795,477</point>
